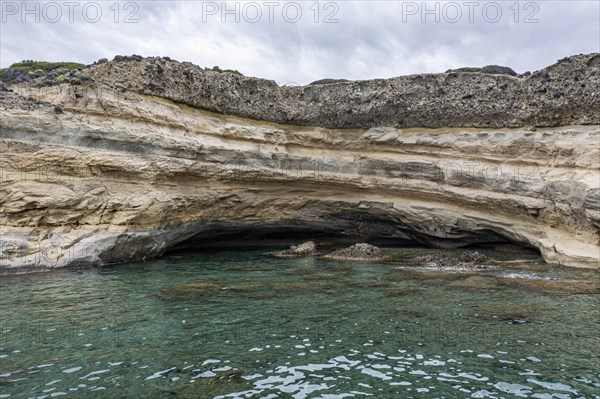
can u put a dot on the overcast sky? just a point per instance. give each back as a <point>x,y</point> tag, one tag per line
<point>305,40</point>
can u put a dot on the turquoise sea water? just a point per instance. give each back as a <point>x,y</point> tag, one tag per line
<point>247,325</point>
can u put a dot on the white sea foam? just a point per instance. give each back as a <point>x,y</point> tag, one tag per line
<point>376,374</point>
<point>555,386</point>
<point>94,373</point>
<point>519,390</point>
<point>159,373</point>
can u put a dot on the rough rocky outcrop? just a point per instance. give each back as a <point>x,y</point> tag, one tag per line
<point>468,260</point>
<point>546,98</point>
<point>358,252</point>
<point>133,161</point>
<point>296,251</point>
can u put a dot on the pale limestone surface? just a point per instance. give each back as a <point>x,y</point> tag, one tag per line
<point>121,176</point>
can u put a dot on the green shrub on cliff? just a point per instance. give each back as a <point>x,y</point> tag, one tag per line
<point>28,70</point>
<point>328,81</point>
<point>234,71</point>
<point>31,65</point>
<point>465,69</point>
<point>489,69</point>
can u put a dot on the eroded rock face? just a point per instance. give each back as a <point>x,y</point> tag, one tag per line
<point>114,170</point>
<point>456,99</point>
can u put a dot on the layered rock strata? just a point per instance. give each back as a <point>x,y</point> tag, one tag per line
<point>150,154</point>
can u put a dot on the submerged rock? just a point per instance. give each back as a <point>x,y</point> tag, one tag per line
<point>430,276</point>
<point>468,260</point>
<point>252,268</point>
<point>476,283</point>
<point>305,249</point>
<point>246,286</point>
<point>368,283</point>
<point>504,313</point>
<point>302,287</point>
<point>552,286</point>
<point>195,289</point>
<point>213,382</point>
<point>357,252</point>
<point>401,290</point>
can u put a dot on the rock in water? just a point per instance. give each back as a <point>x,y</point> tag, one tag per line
<point>305,249</point>
<point>357,252</point>
<point>472,257</point>
<point>466,260</point>
<point>436,260</point>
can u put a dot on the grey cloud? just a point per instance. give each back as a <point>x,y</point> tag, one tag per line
<point>371,39</point>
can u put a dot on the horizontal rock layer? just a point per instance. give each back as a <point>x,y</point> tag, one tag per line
<point>115,175</point>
